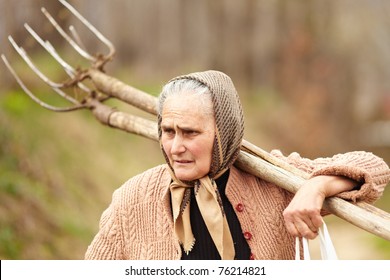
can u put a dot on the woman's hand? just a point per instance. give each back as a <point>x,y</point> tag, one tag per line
<point>303,215</point>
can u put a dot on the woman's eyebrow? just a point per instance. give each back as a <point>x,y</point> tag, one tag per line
<point>188,128</point>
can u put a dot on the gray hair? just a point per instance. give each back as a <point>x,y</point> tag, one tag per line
<point>186,86</point>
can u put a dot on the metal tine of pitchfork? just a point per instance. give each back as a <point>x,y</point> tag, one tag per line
<point>33,97</point>
<point>51,50</point>
<point>80,50</point>
<point>98,61</point>
<point>46,45</point>
<point>55,86</point>
<point>76,36</point>
<point>97,33</point>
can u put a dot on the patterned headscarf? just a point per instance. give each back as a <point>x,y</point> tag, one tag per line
<point>229,121</point>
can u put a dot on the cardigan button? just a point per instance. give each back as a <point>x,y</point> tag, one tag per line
<point>240,207</point>
<point>247,235</point>
<point>252,257</point>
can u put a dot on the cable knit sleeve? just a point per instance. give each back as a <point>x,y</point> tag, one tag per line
<point>107,244</point>
<point>369,170</point>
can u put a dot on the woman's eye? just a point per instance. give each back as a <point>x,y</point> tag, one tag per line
<point>191,132</point>
<point>168,131</point>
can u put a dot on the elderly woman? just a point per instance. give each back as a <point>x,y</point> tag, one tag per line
<point>200,206</point>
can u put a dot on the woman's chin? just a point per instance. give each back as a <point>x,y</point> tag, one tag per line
<point>184,176</point>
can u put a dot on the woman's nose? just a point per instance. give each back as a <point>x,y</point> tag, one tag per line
<point>177,145</point>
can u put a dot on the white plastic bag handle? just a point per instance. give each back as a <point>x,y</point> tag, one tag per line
<point>327,249</point>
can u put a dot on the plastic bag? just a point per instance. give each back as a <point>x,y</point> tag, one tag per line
<point>327,249</point>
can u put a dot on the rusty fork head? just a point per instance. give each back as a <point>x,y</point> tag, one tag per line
<point>76,75</point>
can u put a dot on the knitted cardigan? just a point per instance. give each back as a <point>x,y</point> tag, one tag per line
<point>138,223</point>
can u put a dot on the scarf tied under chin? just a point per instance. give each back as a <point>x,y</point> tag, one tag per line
<point>211,209</point>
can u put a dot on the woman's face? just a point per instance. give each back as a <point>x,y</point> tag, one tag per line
<point>188,130</point>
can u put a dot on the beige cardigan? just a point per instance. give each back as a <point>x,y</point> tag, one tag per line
<point>138,223</point>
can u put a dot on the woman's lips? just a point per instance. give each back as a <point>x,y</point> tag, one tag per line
<point>182,161</point>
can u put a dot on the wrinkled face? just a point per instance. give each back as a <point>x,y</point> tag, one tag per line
<point>188,130</point>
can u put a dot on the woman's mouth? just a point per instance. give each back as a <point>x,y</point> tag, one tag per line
<point>182,161</point>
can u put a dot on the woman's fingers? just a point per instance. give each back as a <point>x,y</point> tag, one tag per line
<point>303,225</point>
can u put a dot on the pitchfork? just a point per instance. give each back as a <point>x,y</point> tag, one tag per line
<point>97,87</point>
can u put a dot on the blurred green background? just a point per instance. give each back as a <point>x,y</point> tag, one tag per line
<point>312,75</point>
